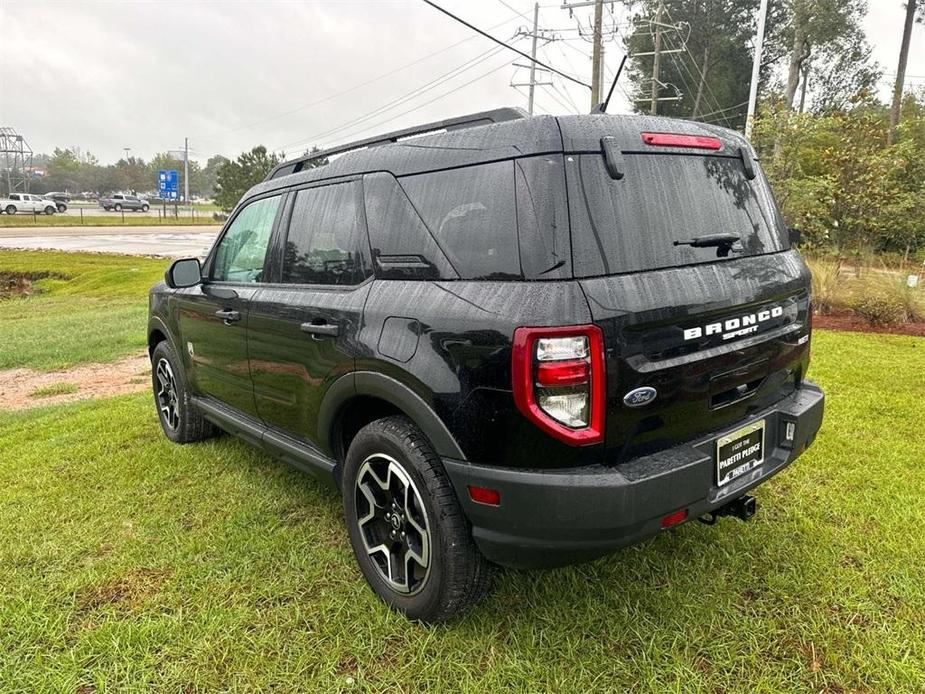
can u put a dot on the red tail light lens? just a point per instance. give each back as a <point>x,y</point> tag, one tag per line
<point>558,380</point>
<point>674,140</point>
<point>675,518</point>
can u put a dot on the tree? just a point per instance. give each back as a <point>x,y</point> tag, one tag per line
<point>234,178</point>
<point>809,26</point>
<point>710,76</point>
<point>901,67</point>
<point>210,174</point>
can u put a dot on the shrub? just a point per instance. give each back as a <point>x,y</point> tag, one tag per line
<point>828,290</point>
<point>879,308</point>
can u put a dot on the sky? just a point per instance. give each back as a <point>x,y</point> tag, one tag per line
<point>288,74</point>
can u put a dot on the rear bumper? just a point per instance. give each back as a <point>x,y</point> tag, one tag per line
<point>555,517</point>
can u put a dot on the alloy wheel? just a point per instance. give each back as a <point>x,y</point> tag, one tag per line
<point>167,394</point>
<point>393,523</point>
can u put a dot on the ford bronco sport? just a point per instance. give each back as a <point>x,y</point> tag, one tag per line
<point>516,340</point>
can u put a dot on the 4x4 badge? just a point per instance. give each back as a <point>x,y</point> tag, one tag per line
<point>640,396</point>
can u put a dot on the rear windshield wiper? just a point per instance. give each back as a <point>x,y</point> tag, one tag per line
<point>722,242</point>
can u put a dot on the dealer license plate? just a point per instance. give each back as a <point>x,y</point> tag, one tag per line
<point>739,452</point>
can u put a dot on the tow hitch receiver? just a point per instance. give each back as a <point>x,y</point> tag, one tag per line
<point>742,508</point>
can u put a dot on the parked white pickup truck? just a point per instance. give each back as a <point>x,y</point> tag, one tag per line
<point>26,202</point>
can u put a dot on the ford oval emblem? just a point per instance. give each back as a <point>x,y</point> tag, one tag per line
<point>640,396</point>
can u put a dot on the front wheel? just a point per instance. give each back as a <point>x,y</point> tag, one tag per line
<point>180,420</point>
<point>11,209</point>
<point>406,527</point>
<point>50,210</point>
<point>118,208</point>
<point>145,208</point>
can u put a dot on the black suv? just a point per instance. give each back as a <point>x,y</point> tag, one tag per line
<point>512,340</point>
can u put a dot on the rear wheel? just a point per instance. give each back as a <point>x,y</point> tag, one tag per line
<point>118,208</point>
<point>180,420</point>
<point>406,527</point>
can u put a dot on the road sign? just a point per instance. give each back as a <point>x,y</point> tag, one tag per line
<point>168,184</point>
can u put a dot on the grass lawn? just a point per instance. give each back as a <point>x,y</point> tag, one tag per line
<point>131,219</point>
<point>93,309</point>
<point>130,564</point>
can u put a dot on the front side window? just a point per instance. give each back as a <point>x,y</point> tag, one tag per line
<point>324,245</point>
<point>242,250</point>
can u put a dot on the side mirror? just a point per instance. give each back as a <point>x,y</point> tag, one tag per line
<point>185,272</point>
<point>795,235</point>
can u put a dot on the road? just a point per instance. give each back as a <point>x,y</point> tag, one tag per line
<point>165,241</point>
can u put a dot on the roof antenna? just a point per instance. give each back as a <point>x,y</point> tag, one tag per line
<point>602,107</point>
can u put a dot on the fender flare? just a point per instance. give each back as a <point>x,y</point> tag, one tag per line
<point>157,323</point>
<point>394,392</point>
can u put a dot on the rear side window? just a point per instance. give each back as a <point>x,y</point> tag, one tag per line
<point>632,224</point>
<point>471,214</point>
<point>324,244</point>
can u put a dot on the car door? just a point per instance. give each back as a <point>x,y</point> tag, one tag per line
<point>302,329</point>
<point>213,315</point>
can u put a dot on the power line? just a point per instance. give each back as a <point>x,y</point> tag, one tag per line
<point>502,43</point>
<point>349,90</point>
<point>454,90</point>
<point>417,91</point>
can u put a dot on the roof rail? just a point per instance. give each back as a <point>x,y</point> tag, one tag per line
<point>460,122</point>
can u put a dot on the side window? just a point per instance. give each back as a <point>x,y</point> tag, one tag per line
<point>326,238</point>
<point>472,215</point>
<point>402,246</point>
<point>241,252</point>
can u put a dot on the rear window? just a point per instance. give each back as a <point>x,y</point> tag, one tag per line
<point>631,224</point>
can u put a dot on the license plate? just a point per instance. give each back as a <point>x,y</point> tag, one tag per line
<point>739,452</point>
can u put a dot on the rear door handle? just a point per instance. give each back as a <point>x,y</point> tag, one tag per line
<point>327,329</point>
<point>228,316</point>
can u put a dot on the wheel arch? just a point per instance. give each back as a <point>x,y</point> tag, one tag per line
<point>357,399</point>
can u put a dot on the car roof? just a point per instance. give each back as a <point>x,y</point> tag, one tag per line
<point>519,137</point>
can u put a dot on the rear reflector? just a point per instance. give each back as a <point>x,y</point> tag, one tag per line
<point>674,518</point>
<point>674,140</point>
<point>484,495</point>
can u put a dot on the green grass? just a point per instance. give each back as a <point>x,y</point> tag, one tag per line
<point>98,314</point>
<point>54,389</point>
<point>132,219</point>
<point>130,564</point>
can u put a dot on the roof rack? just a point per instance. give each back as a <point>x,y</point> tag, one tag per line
<point>459,123</point>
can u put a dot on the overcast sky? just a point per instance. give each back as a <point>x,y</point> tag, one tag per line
<point>103,76</point>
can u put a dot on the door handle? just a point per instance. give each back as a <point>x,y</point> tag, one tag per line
<point>228,316</point>
<point>326,329</point>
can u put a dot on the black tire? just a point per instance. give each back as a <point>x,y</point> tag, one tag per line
<point>117,208</point>
<point>457,574</point>
<point>62,207</point>
<point>11,209</point>
<point>145,208</point>
<point>180,420</point>
<point>50,210</point>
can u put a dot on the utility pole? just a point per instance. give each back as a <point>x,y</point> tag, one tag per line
<point>536,21</point>
<point>186,170</point>
<point>653,108</point>
<point>596,55</point>
<point>756,66</point>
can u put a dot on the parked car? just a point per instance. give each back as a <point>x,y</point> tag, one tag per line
<point>26,202</point>
<point>524,341</point>
<point>60,199</point>
<point>121,201</point>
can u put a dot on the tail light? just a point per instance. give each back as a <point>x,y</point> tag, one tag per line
<point>558,379</point>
